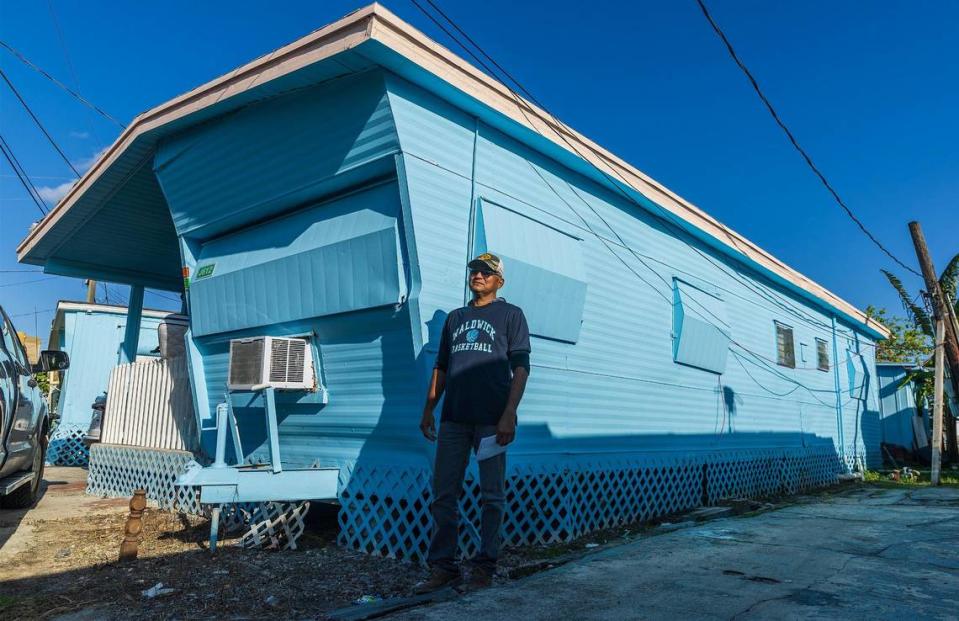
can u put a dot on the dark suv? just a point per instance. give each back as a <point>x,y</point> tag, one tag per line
<point>24,420</point>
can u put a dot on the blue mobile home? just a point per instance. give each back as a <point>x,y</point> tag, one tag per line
<point>92,335</point>
<point>334,190</point>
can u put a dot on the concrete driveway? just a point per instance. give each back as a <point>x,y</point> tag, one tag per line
<point>869,553</point>
<point>61,497</point>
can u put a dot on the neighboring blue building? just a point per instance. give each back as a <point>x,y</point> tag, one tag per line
<point>335,189</point>
<point>898,407</point>
<point>91,334</point>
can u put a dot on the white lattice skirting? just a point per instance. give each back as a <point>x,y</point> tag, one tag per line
<point>66,446</point>
<point>386,509</point>
<point>116,471</point>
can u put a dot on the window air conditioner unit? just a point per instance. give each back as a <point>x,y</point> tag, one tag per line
<point>269,361</point>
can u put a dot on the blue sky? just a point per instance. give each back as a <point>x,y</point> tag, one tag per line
<point>870,89</point>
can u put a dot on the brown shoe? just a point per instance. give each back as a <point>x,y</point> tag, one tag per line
<point>438,579</point>
<point>480,578</point>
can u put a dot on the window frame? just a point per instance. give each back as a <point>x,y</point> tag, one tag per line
<point>822,352</point>
<point>781,357</point>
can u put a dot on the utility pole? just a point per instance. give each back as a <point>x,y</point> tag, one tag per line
<point>947,345</point>
<point>937,403</point>
<point>91,291</point>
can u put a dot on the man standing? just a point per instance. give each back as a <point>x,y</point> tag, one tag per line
<point>482,365</point>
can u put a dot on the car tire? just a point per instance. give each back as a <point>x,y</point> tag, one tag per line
<point>26,495</point>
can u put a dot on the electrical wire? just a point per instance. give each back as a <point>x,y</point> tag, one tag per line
<point>615,185</point>
<point>21,174</point>
<point>117,294</point>
<point>28,282</point>
<point>69,63</point>
<point>46,310</point>
<point>164,296</point>
<point>680,232</point>
<point>60,84</point>
<point>792,138</point>
<point>38,123</point>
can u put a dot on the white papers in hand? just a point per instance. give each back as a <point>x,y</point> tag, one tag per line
<point>488,447</point>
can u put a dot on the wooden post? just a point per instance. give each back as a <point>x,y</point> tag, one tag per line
<point>91,291</point>
<point>134,526</point>
<point>937,395</point>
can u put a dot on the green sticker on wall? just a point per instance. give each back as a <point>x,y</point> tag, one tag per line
<point>203,272</point>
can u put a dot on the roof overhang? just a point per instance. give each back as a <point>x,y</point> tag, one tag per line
<point>377,35</point>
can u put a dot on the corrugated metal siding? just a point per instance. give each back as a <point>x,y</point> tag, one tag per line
<point>618,388</point>
<point>150,405</point>
<point>92,340</point>
<point>898,406</point>
<point>368,367</point>
<point>273,155</point>
<point>615,390</point>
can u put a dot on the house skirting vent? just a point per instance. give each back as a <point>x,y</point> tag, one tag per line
<point>116,471</point>
<point>386,510</point>
<point>66,446</point>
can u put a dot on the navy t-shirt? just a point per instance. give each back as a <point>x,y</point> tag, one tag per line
<point>475,350</point>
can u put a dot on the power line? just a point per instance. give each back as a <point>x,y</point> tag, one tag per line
<point>782,304</point>
<point>21,174</point>
<point>38,123</point>
<point>63,44</point>
<point>792,139</point>
<point>28,282</point>
<point>21,271</point>
<point>35,312</point>
<point>69,63</point>
<point>615,185</point>
<point>164,296</point>
<point>60,84</point>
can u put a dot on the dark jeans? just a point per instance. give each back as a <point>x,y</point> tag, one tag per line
<point>453,447</point>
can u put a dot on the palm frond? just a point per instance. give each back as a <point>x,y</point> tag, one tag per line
<point>948,280</point>
<point>919,314</point>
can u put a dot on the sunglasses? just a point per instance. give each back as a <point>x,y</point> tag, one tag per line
<point>483,273</point>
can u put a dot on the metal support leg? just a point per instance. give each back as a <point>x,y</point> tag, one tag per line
<point>235,434</point>
<point>221,420</point>
<point>214,527</point>
<point>272,431</point>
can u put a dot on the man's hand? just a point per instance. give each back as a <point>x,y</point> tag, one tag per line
<point>506,429</point>
<point>428,426</point>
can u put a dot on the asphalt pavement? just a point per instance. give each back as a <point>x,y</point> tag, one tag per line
<point>867,553</point>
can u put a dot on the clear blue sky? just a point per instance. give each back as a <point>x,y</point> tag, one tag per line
<point>870,88</point>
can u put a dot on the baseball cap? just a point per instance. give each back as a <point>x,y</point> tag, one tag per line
<point>487,261</point>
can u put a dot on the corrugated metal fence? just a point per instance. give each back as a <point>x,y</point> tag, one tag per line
<point>150,404</point>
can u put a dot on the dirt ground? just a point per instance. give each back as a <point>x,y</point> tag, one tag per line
<point>61,557</point>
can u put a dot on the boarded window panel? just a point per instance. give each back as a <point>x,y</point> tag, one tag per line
<point>339,256</point>
<point>785,346</point>
<point>857,373</point>
<point>543,266</point>
<point>822,355</point>
<point>700,330</point>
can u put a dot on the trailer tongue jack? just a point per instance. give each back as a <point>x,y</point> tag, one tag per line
<point>222,484</point>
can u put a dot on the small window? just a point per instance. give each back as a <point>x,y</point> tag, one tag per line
<point>822,355</point>
<point>785,347</point>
